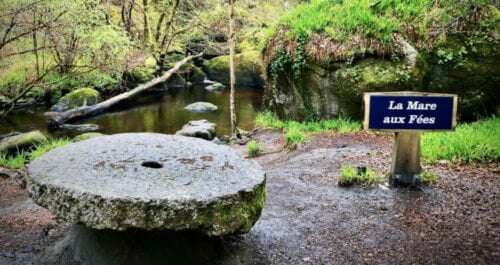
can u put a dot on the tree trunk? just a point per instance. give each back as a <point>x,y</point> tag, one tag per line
<point>57,119</point>
<point>232,44</point>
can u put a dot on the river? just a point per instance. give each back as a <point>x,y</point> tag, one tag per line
<point>161,112</point>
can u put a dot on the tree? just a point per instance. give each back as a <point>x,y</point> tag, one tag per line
<point>232,82</point>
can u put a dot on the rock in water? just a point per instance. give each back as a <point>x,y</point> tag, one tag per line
<point>150,181</point>
<point>79,127</point>
<point>77,98</point>
<point>21,141</point>
<point>215,87</point>
<point>201,107</point>
<point>200,129</point>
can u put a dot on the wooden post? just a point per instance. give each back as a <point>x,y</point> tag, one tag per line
<point>405,169</point>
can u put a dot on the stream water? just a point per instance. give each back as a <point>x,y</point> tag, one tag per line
<point>161,112</point>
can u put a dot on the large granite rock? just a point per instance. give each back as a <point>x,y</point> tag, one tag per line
<point>323,78</point>
<point>200,129</point>
<point>201,107</point>
<point>21,141</point>
<point>149,181</point>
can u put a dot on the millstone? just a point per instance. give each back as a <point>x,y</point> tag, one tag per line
<point>150,182</point>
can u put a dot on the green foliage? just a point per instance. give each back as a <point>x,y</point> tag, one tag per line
<point>469,143</point>
<point>20,159</point>
<point>350,176</point>
<point>254,148</point>
<point>429,178</point>
<point>294,137</point>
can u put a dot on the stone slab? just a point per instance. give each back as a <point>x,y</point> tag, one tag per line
<point>105,183</point>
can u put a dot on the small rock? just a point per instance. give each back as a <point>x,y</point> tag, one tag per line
<point>200,129</point>
<point>201,107</point>
<point>217,87</point>
<point>79,127</point>
<point>206,81</point>
<point>86,136</point>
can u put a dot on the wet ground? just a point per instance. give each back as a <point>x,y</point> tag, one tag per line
<point>309,219</point>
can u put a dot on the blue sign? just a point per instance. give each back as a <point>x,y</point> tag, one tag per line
<point>402,111</point>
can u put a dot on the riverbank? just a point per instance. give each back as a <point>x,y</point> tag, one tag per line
<point>309,219</point>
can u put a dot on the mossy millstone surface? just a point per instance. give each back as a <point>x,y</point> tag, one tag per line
<point>150,181</point>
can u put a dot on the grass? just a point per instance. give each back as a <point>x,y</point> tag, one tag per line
<point>469,143</point>
<point>364,176</point>
<point>21,158</point>
<point>254,148</point>
<point>340,19</point>
<point>17,161</point>
<point>43,148</point>
<point>296,132</point>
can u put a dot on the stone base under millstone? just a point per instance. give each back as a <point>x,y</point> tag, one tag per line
<point>87,246</point>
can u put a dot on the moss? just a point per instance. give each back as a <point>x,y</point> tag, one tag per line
<point>82,97</point>
<point>196,75</point>
<point>248,69</point>
<point>234,218</point>
<point>143,74</point>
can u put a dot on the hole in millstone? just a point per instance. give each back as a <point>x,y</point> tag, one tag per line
<point>152,164</point>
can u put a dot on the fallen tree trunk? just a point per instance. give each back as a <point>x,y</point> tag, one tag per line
<point>57,119</point>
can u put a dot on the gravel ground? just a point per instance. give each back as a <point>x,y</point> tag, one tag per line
<point>309,219</point>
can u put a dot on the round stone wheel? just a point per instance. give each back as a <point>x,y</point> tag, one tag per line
<point>150,181</point>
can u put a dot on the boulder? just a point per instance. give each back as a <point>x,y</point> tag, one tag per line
<point>320,77</point>
<point>79,127</point>
<point>85,136</point>
<point>248,69</point>
<point>200,129</point>
<point>148,181</point>
<point>80,97</point>
<point>196,75</point>
<point>201,107</point>
<point>21,141</point>
<point>176,80</point>
<point>216,87</point>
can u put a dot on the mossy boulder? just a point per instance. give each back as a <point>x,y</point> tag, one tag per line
<point>80,97</point>
<point>318,77</point>
<point>21,141</point>
<point>176,80</point>
<point>248,69</point>
<point>196,75</point>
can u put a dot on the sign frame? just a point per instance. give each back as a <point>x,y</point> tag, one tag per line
<point>366,111</point>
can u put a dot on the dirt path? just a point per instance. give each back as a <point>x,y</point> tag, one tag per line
<point>308,219</point>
